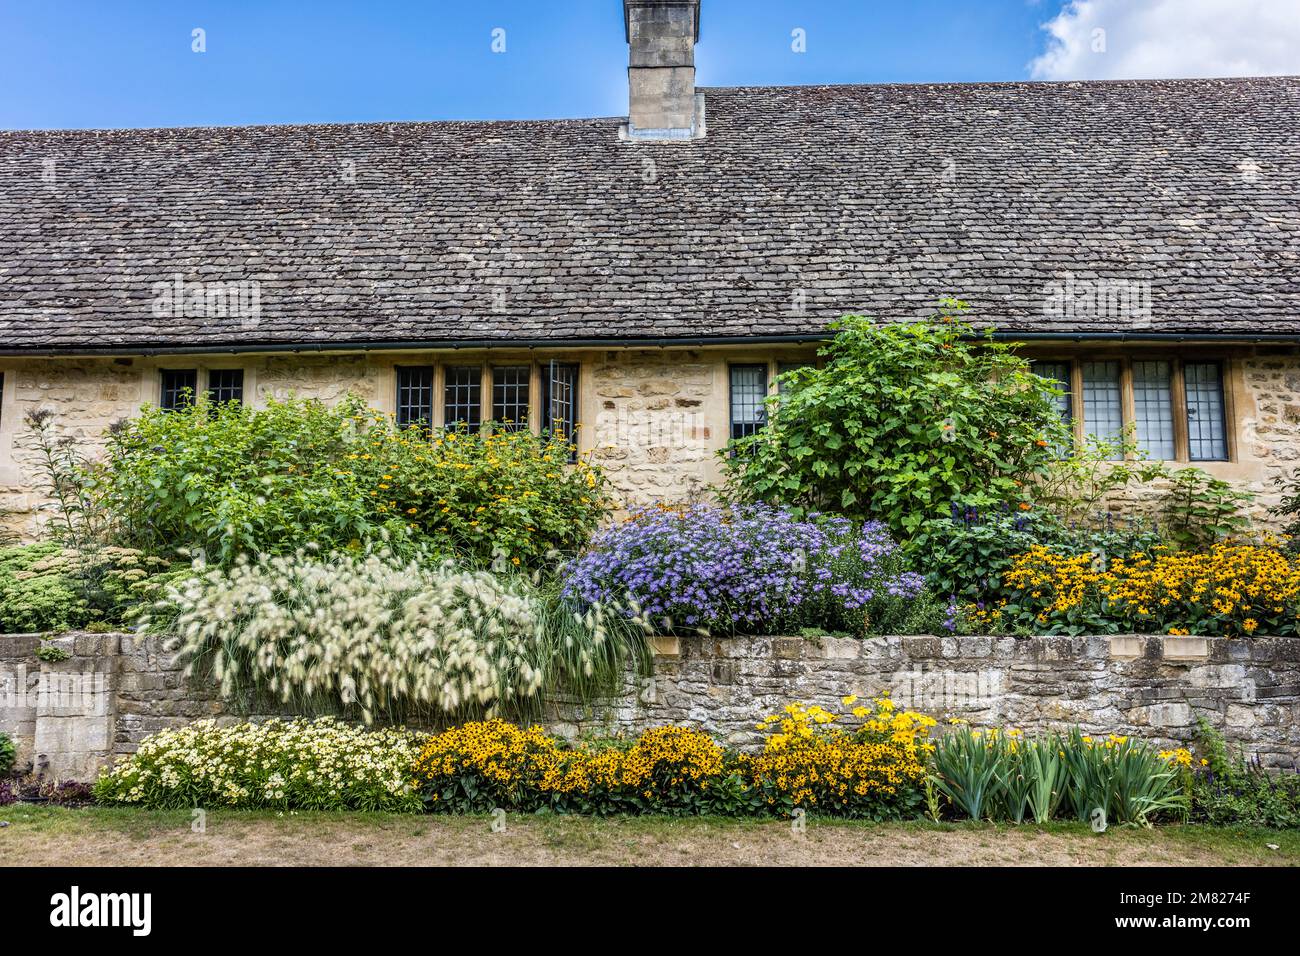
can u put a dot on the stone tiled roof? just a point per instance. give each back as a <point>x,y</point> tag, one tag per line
<point>801,204</point>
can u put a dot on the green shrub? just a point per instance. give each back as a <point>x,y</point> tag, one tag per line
<point>1227,789</point>
<point>497,495</point>
<point>900,421</point>
<point>227,479</point>
<point>1288,508</point>
<point>231,480</point>
<point>47,588</point>
<point>8,754</point>
<point>1200,510</point>
<point>968,553</point>
<point>52,653</point>
<point>294,765</point>
<point>1078,488</point>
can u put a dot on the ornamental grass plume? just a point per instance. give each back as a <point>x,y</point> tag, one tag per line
<point>377,636</point>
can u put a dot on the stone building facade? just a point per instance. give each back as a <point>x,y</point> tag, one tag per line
<point>708,229</point>
<point>654,419</point>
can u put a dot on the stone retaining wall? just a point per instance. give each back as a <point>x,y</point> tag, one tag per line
<point>1152,687</point>
<point>69,718</point>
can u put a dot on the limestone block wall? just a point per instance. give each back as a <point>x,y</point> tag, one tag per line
<point>658,419</point>
<point>1271,433</point>
<point>74,716</point>
<point>1151,687</point>
<point>86,396</point>
<point>327,377</point>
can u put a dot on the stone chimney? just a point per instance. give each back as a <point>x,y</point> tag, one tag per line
<point>662,102</point>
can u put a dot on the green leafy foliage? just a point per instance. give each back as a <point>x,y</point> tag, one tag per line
<point>227,479</point>
<point>1226,789</point>
<point>1077,487</point>
<point>52,653</point>
<point>1288,508</point>
<point>987,774</point>
<point>496,494</point>
<point>44,587</point>
<point>968,553</point>
<point>1200,509</point>
<point>8,754</point>
<point>900,421</point>
<point>230,479</point>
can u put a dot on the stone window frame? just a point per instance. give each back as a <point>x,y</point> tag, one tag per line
<point>1228,370</point>
<point>536,384</point>
<point>202,371</point>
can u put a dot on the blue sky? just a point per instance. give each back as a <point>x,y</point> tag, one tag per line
<point>129,63</point>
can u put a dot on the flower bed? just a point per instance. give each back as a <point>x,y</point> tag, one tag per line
<point>871,771</point>
<point>754,569</point>
<point>1230,589</point>
<point>298,764</point>
<point>874,762</point>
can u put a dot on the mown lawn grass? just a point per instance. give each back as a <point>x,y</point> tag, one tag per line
<point>38,835</point>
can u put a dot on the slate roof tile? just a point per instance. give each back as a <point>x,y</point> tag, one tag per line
<point>871,199</point>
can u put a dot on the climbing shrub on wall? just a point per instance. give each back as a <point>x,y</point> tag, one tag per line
<point>899,421</point>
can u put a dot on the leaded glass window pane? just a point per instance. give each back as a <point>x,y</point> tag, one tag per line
<point>510,396</point>
<point>1153,409</point>
<point>225,385</point>
<point>462,397</point>
<point>180,386</point>
<point>560,403</point>
<point>748,395</point>
<point>1103,403</point>
<point>1207,434</point>
<point>414,395</point>
<point>1058,372</point>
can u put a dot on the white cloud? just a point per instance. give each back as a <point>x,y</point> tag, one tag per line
<point>1150,39</point>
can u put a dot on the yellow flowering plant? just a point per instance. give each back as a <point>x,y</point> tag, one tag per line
<point>1230,589</point>
<point>483,765</point>
<point>503,496</point>
<point>864,761</point>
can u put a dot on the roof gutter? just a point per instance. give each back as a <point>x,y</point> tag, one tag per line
<point>1218,337</point>
<point>400,345</point>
